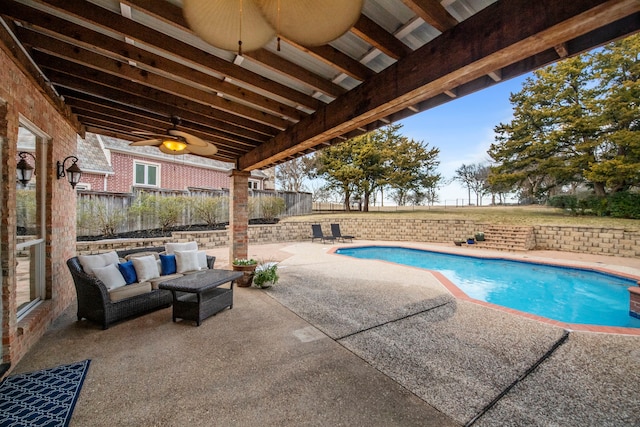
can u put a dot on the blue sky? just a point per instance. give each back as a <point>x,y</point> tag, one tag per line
<point>463,130</point>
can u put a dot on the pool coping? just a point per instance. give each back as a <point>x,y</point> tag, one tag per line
<point>458,293</point>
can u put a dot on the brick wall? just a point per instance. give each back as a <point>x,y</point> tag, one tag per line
<point>592,240</point>
<point>20,98</point>
<point>173,175</point>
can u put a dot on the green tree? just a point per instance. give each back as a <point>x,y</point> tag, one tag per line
<point>379,159</point>
<point>575,122</point>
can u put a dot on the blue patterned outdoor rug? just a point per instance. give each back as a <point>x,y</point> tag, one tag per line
<point>41,398</point>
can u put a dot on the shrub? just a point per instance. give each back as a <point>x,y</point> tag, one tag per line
<point>210,210</point>
<point>625,205</point>
<point>167,209</point>
<point>272,207</point>
<point>94,215</point>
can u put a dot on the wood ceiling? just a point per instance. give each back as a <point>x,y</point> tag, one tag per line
<point>114,67</point>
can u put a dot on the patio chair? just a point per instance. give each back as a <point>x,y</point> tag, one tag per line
<point>317,234</point>
<point>335,231</point>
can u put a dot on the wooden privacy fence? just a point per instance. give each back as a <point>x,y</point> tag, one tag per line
<point>100,212</point>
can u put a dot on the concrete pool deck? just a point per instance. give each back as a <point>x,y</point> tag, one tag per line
<point>342,341</point>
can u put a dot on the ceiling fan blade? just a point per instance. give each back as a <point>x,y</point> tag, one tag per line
<point>146,142</point>
<point>145,133</point>
<point>172,152</point>
<point>209,150</point>
<point>191,139</point>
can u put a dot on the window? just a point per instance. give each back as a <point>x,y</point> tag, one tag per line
<point>254,185</point>
<point>30,214</point>
<point>146,174</point>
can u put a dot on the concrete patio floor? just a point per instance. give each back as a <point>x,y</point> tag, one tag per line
<point>342,341</point>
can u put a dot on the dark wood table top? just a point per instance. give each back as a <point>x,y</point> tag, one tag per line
<point>201,281</point>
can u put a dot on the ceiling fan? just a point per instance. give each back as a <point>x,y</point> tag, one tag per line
<point>176,142</point>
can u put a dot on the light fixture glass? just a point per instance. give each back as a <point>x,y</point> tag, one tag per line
<point>250,24</point>
<point>73,172</point>
<point>24,171</point>
<point>174,145</point>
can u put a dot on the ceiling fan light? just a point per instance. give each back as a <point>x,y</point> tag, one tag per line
<point>174,145</point>
<point>221,24</point>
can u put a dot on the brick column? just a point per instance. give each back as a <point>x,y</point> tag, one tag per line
<point>634,301</point>
<point>239,215</point>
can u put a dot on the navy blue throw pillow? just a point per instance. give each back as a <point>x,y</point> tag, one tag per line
<point>128,272</point>
<point>168,263</point>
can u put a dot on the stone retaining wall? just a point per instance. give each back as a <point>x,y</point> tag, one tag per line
<point>599,241</point>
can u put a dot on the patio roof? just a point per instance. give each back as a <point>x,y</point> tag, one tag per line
<point>115,67</point>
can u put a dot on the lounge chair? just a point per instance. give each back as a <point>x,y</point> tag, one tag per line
<point>317,234</point>
<point>335,231</point>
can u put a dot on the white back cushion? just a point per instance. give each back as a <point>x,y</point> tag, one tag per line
<point>90,262</point>
<point>171,248</point>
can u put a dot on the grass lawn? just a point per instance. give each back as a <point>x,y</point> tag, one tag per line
<point>508,215</point>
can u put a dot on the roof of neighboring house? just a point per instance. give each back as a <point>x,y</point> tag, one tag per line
<point>91,155</point>
<point>91,152</point>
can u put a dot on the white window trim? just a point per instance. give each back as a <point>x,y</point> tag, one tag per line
<point>147,164</point>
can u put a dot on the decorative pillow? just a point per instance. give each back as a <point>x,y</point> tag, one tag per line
<point>128,272</point>
<point>90,262</point>
<point>168,264</point>
<point>187,261</point>
<point>146,268</point>
<point>202,260</point>
<point>110,276</point>
<point>171,248</point>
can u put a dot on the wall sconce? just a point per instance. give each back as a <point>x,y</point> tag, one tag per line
<point>24,170</point>
<point>72,173</point>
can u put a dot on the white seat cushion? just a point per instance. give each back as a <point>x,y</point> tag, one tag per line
<point>129,291</point>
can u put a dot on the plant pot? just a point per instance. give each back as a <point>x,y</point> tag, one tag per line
<point>458,242</point>
<point>247,278</point>
<point>480,237</point>
<point>470,241</point>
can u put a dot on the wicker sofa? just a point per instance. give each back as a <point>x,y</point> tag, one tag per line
<point>95,302</point>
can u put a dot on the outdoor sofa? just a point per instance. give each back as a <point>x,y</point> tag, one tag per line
<point>102,296</point>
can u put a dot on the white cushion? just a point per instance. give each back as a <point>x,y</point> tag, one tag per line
<point>90,262</point>
<point>146,268</point>
<point>110,276</point>
<point>129,291</point>
<point>187,261</point>
<point>202,260</point>
<point>171,248</point>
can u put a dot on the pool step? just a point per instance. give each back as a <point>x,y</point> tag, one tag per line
<point>507,238</point>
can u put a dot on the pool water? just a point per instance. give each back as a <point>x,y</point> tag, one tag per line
<point>565,294</point>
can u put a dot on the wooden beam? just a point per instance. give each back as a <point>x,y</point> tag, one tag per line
<point>150,63</point>
<point>433,13</point>
<point>511,30</point>
<point>333,57</point>
<point>13,49</point>
<point>113,22</point>
<point>378,37</point>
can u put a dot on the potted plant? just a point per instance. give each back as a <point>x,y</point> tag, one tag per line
<point>459,242</point>
<point>248,267</point>
<point>479,236</point>
<point>471,240</point>
<point>266,275</point>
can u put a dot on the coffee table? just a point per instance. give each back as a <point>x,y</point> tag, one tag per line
<point>198,295</point>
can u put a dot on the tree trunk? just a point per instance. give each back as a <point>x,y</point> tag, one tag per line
<point>347,201</point>
<point>365,208</point>
<point>599,189</point>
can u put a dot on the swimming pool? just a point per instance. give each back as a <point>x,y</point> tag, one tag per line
<point>565,294</point>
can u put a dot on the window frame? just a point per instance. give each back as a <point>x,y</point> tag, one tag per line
<point>146,165</point>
